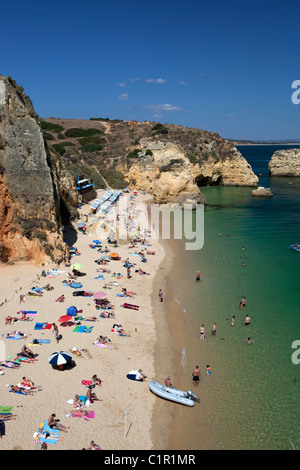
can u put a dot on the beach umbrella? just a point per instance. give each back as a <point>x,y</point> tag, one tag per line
<point>77,266</point>
<point>65,318</point>
<point>67,323</point>
<point>104,256</point>
<point>59,358</point>
<point>75,285</point>
<point>114,255</point>
<point>99,295</point>
<point>80,224</point>
<point>97,242</point>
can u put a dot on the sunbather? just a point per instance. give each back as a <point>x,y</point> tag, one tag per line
<point>27,352</point>
<point>55,424</point>
<point>15,388</point>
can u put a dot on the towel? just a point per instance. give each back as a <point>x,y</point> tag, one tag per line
<point>42,341</point>
<point>77,414</point>
<point>83,329</point>
<point>5,409</point>
<point>43,326</point>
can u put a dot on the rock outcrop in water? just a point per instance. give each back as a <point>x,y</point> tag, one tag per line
<point>285,163</point>
<point>34,188</point>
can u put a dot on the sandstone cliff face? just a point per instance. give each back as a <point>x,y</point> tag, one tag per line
<point>30,189</point>
<point>285,163</point>
<point>164,169</point>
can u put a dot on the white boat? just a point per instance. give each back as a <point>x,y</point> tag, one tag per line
<point>169,393</point>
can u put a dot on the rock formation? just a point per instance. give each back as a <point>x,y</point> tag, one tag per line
<point>285,163</point>
<point>33,185</point>
<point>262,192</point>
<point>168,161</point>
<point>165,170</point>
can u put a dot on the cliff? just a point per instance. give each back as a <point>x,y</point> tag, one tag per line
<point>34,188</point>
<point>285,163</point>
<point>167,161</point>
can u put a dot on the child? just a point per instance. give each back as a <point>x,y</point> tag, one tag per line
<point>207,370</point>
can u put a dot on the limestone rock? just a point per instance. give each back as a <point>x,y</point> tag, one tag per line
<point>168,173</point>
<point>262,192</point>
<point>285,163</point>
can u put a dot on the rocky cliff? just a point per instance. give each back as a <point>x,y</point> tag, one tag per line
<point>285,163</point>
<point>34,188</point>
<point>167,161</point>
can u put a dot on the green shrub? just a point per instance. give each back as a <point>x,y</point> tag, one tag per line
<point>134,153</point>
<point>91,147</point>
<point>48,136</point>
<point>60,148</point>
<point>160,129</point>
<point>192,158</point>
<point>79,132</point>
<point>49,126</point>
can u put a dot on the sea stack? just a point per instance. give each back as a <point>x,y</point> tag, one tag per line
<point>285,163</point>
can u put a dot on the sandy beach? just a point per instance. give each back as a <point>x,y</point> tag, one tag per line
<point>122,419</point>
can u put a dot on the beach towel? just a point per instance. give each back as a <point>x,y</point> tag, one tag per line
<point>88,382</point>
<point>86,354</point>
<point>83,329</point>
<point>104,346</point>
<point>76,414</point>
<point>29,313</point>
<point>5,409</point>
<point>43,326</point>
<point>41,341</point>
<point>20,393</point>
<point>45,428</point>
<point>14,337</point>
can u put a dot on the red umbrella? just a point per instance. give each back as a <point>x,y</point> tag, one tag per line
<point>98,295</point>
<point>65,318</point>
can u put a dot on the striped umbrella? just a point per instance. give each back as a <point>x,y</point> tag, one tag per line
<point>59,358</point>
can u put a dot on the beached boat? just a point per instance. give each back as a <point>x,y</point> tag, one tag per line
<point>296,247</point>
<point>184,398</point>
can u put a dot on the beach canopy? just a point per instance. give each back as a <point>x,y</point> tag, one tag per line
<point>72,312</point>
<point>59,358</point>
<point>99,295</point>
<point>80,224</point>
<point>77,266</point>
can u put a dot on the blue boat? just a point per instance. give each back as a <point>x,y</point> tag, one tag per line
<point>295,247</point>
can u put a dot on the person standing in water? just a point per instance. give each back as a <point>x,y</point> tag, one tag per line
<point>196,376</point>
<point>198,277</point>
<point>202,332</point>
<point>214,329</point>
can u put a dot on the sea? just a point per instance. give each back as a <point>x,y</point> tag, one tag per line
<point>249,400</point>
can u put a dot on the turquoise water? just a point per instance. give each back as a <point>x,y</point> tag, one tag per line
<point>251,398</point>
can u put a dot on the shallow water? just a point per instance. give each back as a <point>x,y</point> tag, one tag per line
<point>250,399</point>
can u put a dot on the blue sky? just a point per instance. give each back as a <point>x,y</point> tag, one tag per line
<point>226,66</point>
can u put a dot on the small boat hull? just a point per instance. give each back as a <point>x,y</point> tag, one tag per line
<point>295,247</point>
<point>172,394</point>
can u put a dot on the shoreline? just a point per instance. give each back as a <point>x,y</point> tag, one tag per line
<point>124,418</point>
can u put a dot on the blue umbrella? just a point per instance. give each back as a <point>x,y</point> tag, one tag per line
<point>81,224</point>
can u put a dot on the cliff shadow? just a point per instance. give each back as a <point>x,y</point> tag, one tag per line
<point>70,235</point>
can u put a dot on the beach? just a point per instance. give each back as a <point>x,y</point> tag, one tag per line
<point>122,418</point>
